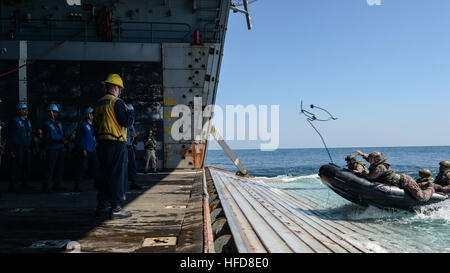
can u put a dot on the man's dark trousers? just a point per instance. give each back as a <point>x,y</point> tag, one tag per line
<point>113,160</point>
<point>54,167</point>
<point>20,165</point>
<point>132,170</point>
<point>88,164</point>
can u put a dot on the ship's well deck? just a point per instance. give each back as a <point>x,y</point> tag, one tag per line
<point>169,209</point>
<point>170,214</point>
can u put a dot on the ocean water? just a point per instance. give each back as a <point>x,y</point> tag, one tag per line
<point>295,171</point>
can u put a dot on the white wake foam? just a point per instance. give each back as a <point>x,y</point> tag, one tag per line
<point>366,244</point>
<point>285,178</point>
<point>435,212</point>
<point>374,213</point>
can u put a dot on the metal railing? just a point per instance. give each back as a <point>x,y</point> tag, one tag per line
<point>122,31</point>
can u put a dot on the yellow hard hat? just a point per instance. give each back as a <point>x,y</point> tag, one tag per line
<point>114,79</point>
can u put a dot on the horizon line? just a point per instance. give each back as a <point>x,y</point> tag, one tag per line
<point>348,147</point>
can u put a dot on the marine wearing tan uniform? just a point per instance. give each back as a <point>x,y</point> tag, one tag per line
<point>380,171</point>
<point>442,180</point>
<point>150,152</point>
<point>355,165</point>
<point>425,180</point>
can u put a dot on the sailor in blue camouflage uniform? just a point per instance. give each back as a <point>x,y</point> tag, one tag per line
<point>54,151</point>
<point>86,149</point>
<point>19,146</point>
<point>132,169</point>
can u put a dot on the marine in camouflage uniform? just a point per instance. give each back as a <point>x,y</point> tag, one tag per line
<point>380,171</point>
<point>150,152</point>
<point>356,166</point>
<point>442,180</point>
<point>425,180</point>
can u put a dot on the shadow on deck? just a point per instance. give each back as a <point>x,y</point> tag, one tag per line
<point>169,205</point>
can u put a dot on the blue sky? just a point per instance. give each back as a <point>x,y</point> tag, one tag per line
<point>384,71</point>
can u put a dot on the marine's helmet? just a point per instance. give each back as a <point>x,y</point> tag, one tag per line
<point>350,158</point>
<point>425,173</point>
<point>130,106</point>
<point>377,156</point>
<point>445,164</point>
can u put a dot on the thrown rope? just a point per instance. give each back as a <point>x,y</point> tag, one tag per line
<point>312,117</point>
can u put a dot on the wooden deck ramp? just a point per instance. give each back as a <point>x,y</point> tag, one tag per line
<point>266,219</point>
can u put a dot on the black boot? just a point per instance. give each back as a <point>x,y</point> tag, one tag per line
<point>135,186</point>
<point>119,213</point>
<point>102,211</point>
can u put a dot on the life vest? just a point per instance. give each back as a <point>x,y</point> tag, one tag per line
<point>426,182</point>
<point>150,144</point>
<point>54,135</point>
<point>354,166</point>
<point>130,137</point>
<point>22,134</point>
<point>86,137</point>
<point>442,179</point>
<point>105,122</point>
<point>389,176</point>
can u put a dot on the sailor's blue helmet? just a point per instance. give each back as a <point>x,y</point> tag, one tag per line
<point>22,105</point>
<point>53,107</point>
<point>88,110</point>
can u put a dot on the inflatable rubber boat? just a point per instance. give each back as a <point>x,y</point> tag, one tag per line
<point>361,191</point>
